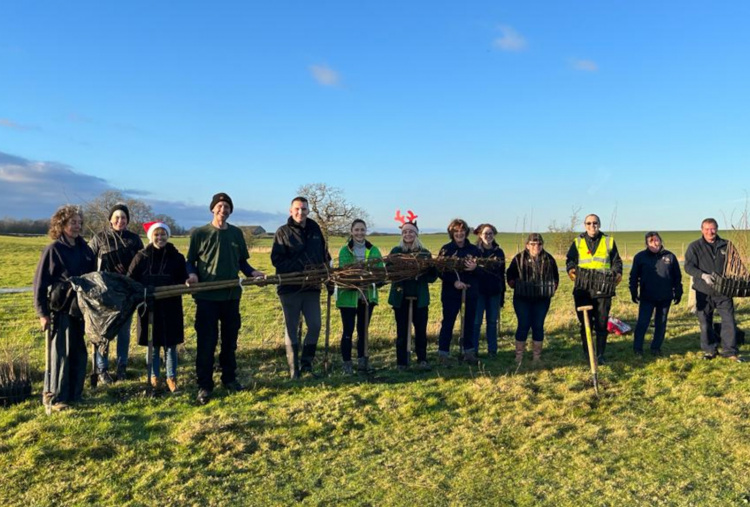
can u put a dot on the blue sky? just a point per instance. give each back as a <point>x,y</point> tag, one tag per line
<point>506,112</point>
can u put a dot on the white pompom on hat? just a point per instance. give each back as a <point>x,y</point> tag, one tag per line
<point>150,227</point>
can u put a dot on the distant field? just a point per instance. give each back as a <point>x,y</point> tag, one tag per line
<point>666,431</point>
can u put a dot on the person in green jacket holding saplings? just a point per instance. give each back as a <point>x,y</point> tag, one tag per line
<point>356,304</point>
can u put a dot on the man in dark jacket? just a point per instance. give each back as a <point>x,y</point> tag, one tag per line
<point>217,252</point>
<point>655,281</point>
<point>704,258</point>
<point>597,251</point>
<point>299,245</point>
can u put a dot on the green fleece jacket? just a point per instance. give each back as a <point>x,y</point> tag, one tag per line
<point>347,298</point>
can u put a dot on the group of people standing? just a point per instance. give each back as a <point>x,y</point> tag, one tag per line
<point>218,251</point>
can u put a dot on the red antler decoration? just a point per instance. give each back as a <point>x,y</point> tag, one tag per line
<point>410,217</point>
<point>399,217</point>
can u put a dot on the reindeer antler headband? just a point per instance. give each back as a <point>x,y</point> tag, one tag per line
<point>410,218</point>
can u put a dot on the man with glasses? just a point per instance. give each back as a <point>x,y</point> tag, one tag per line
<point>594,250</point>
<point>704,258</point>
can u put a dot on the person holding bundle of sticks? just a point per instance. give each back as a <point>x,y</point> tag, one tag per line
<point>595,266</point>
<point>459,294</point>
<point>356,305</point>
<point>534,278</point>
<point>491,280</point>
<point>410,299</point>
<point>298,245</point>
<point>157,265</point>
<point>217,252</point>
<point>704,258</point>
<point>57,307</point>
<point>115,249</point>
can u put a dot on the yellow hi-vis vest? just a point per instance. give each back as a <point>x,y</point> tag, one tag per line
<point>599,259</point>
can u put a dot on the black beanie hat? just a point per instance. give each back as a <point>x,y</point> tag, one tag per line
<point>221,197</point>
<point>119,207</point>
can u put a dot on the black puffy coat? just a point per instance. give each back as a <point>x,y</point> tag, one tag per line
<point>157,267</point>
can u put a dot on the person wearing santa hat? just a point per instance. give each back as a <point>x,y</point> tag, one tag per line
<point>157,265</point>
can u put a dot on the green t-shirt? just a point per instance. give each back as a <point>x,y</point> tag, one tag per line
<point>216,254</point>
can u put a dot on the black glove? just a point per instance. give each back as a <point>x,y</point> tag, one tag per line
<point>677,299</point>
<point>635,299</point>
<point>330,287</point>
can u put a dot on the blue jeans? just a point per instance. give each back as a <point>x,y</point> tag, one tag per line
<point>171,353</point>
<point>531,314</point>
<point>123,346</point>
<point>645,311</point>
<point>491,306</point>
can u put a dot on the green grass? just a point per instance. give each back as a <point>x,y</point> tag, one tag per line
<point>668,431</point>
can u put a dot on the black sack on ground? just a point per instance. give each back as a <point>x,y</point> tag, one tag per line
<point>107,301</point>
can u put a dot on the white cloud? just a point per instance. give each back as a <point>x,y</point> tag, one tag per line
<point>585,65</point>
<point>5,122</point>
<point>35,189</point>
<point>510,39</point>
<point>324,75</point>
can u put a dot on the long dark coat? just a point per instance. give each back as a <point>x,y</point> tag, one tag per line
<point>158,267</point>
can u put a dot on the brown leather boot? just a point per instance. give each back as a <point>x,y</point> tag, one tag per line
<point>520,349</point>
<point>537,349</point>
<point>171,384</point>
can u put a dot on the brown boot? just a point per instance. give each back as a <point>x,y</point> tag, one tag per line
<point>155,382</point>
<point>520,349</point>
<point>537,349</point>
<point>470,357</point>
<point>172,384</point>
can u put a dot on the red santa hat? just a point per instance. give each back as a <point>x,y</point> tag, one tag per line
<point>150,227</point>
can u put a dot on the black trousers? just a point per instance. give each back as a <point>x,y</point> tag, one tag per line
<point>598,318</point>
<point>67,366</point>
<point>208,315</point>
<point>350,317</point>
<point>724,306</point>
<point>419,321</point>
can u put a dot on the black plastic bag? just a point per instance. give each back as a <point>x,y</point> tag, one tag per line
<point>107,301</point>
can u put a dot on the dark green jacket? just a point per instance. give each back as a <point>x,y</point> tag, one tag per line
<point>418,286</point>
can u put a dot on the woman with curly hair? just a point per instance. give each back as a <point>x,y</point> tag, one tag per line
<point>55,304</point>
<point>459,289</point>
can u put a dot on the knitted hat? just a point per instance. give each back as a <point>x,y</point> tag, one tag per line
<point>119,207</point>
<point>150,227</point>
<point>221,197</point>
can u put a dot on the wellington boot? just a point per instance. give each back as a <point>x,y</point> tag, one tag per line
<point>520,349</point>
<point>292,359</point>
<point>363,364</point>
<point>537,349</point>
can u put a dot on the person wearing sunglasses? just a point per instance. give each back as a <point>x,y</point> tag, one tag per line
<point>594,250</point>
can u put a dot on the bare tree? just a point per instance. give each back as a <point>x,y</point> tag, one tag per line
<point>96,213</point>
<point>564,235</point>
<point>330,209</point>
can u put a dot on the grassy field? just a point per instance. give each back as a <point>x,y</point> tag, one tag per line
<point>666,431</point>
